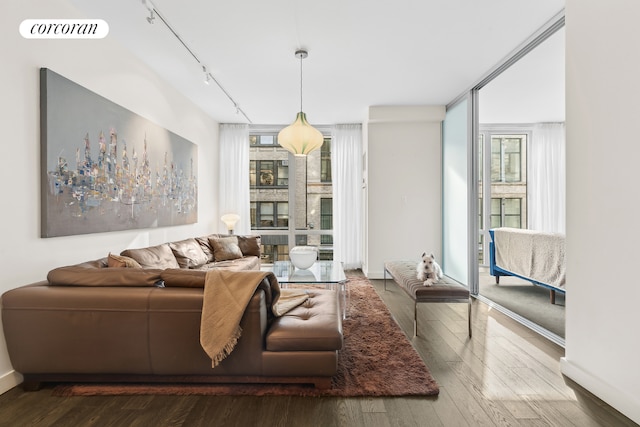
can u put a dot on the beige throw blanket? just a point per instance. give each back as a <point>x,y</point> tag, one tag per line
<point>288,300</point>
<point>535,255</point>
<point>226,297</point>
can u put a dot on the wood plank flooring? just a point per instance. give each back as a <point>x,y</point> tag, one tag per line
<point>506,375</point>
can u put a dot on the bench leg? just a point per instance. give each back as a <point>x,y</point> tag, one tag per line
<point>552,296</point>
<point>469,315</point>
<point>385,280</point>
<point>415,319</point>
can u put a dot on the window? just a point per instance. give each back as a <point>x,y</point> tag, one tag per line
<point>506,212</point>
<point>274,252</point>
<point>325,161</point>
<point>269,215</point>
<point>268,173</point>
<point>506,158</point>
<point>263,139</point>
<point>502,180</point>
<point>326,219</point>
<point>291,197</point>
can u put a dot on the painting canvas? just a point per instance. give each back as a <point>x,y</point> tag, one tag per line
<point>105,168</point>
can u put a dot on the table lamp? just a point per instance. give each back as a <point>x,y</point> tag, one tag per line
<point>230,221</point>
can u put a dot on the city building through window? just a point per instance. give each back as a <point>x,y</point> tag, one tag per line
<point>291,197</point>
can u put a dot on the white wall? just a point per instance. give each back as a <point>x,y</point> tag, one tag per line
<point>403,195</point>
<point>106,68</point>
<point>603,87</point>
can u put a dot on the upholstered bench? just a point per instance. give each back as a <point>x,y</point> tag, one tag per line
<point>445,290</point>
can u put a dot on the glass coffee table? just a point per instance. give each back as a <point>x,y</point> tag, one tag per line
<point>327,273</point>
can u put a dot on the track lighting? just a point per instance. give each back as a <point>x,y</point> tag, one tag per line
<point>208,77</point>
<point>150,7</point>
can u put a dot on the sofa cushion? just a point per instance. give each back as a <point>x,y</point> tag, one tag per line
<point>82,276</point>
<point>119,261</point>
<point>225,248</point>
<point>205,245</point>
<point>188,253</point>
<point>249,245</point>
<point>159,256</point>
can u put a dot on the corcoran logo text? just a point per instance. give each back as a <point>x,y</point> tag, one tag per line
<point>64,29</point>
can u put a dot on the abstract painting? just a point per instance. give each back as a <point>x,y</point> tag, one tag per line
<point>105,168</point>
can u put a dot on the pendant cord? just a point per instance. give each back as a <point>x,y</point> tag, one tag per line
<point>300,83</point>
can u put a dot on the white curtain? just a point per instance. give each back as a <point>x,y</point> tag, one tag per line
<point>346,169</point>
<point>234,176</point>
<point>547,178</point>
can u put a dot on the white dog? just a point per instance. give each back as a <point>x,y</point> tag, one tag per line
<point>428,270</point>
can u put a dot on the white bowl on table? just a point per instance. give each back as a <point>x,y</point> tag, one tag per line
<point>303,257</point>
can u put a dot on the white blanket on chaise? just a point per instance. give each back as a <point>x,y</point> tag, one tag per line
<point>535,255</point>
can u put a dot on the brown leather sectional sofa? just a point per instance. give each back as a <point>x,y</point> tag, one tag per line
<point>91,322</point>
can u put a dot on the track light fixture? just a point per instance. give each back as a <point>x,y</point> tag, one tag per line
<point>150,7</point>
<point>208,78</point>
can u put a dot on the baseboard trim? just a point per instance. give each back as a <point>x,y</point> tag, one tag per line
<point>375,274</point>
<point>9,381</point>
<point>623,402</point>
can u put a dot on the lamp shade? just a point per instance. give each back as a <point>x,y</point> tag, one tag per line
<point>230,220</point>
<point>300,138</point>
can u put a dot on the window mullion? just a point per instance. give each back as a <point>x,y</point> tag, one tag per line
<point>292,201</point>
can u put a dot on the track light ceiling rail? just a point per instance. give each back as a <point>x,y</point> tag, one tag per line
<point>153,13</point>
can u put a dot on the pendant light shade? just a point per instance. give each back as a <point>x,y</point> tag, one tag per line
<point>300,138</point>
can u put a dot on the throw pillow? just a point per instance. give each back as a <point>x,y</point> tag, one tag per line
<point>249,245</point>
<point>206,246</point>
<point>225,248</point>
<point>188,253</point>
<point>119,261</point>
<point>159,256</point>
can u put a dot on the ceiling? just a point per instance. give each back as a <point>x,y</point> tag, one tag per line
<point>361,52</point>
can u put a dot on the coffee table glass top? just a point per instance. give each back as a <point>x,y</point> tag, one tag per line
<point>319,272</point>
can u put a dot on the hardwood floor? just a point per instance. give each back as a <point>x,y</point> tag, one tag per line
<point>506,375</point>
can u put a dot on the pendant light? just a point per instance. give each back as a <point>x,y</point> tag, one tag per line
<point>300,138</point>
